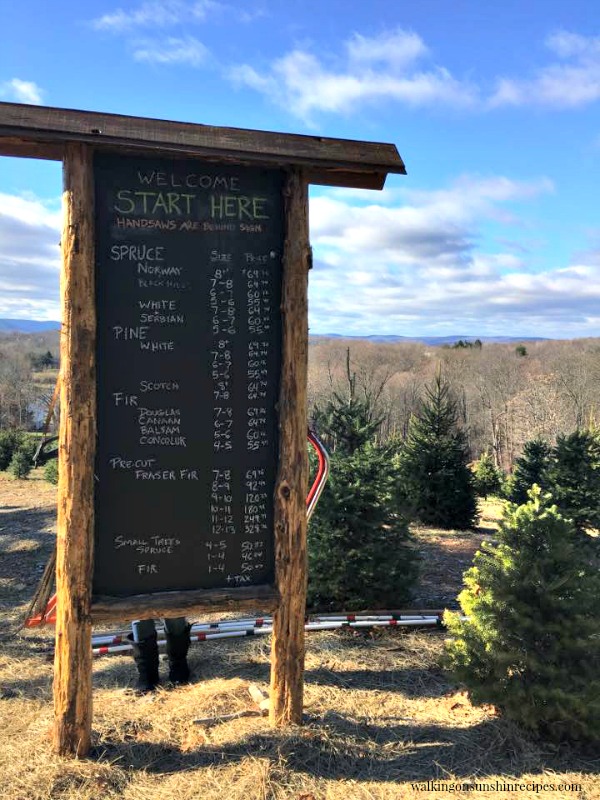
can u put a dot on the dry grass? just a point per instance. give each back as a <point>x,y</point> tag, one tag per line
<point>380,715</point>
<point>445,555</point>
<point>46,377</point>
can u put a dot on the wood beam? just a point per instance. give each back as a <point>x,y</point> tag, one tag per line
<point>287,651</point>
<point>179,604</point>
<point>19,148</point>
<point>73,653</point>
<point>336,162</point>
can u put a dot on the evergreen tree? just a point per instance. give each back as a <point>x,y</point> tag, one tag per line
<point>530,468</point>
<point>20,465</point>
<point>530,642</point>
<point>346,425</point>
<point>9,441</point>
<point>434,479</point>
<point>51,471</point>
<point>487,478</point>
<point>358,547</point>
<point>574,478</point>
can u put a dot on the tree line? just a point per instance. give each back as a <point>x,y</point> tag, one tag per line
<point>507,394</point>
<point>28,364</point>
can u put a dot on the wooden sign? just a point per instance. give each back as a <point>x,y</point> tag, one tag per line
<point>188,295</point>
<point>184,344</point>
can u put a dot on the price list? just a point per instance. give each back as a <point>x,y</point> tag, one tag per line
<point>188,292</point>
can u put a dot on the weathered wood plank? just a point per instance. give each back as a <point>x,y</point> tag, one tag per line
<point>13,146</point>
<point>287,652</point>
<point>338,162</point>
<point>73,658</point>
<point>175,604</point>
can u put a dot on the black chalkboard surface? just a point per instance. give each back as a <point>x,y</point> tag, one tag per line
<point>188,287</point>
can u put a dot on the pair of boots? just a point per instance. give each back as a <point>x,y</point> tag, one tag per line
<point>145,654</point>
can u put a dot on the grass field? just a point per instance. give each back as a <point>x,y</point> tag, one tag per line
<point>381,715</point>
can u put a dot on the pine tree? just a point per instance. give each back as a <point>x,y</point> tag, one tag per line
<point>530,468</point>
<point>51,471</point>
<point>487,478</point>
<point>530,644</point>
<point>346,425</point>
<point>574,478</point>
<point>20,465</point>
<point>434,479</point>
<point>9,441</point>
<point>359,556</point>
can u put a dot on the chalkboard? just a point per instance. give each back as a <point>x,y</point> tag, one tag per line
<point>188,288</point>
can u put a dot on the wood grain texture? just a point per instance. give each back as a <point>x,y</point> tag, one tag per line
<point>336,162</point>
<point>287,651</point>
<point>184,603</point>
<point>73,654</point>
<point>19,148</point>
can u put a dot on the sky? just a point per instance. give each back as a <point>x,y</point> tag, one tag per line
<point>494,108</point>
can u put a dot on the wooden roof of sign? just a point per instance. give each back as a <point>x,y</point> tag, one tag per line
<point>41,132</point>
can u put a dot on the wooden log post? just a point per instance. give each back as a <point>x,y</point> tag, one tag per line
<point>73,655</point>
<point>287,651</point>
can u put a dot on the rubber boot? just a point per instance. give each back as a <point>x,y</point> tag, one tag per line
<point>145,655</point>
<point>177,648</point>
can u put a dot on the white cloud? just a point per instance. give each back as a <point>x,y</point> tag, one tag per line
<point>430,224</point>
<point>29,257</point>
<point>396,48</point>
<point>159,16</point>
<point>418,267</point>
<point>471,194</point>
<point>172,51</point>
<point>570,82</point>
<point>21,91</point>
<point>155,13</point>
<point>373,69</point>
<point>566,44</point>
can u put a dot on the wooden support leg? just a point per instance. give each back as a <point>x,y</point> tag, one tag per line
<point>287,653</point>
<point>73,655</point>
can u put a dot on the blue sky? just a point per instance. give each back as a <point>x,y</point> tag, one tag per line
<point>494,108</point>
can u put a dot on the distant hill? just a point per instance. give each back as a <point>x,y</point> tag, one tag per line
<point>28,326</point>
<point>433,341</point>
<point>37,326</point>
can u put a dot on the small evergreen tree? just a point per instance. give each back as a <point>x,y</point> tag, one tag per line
<point>434,479</point>
<point>487,478</point>
<point>9,440</point>
<point>51,471</point>
<point>531,467</point>
<point>530,644</point>
<point>20,465</point>
<point>345,425</point>
<point>574,478</point>
<point>358,547</point>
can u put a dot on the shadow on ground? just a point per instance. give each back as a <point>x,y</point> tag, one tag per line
<point>336,747</point>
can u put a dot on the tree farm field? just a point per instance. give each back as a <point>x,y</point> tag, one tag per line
<point>382,718</point>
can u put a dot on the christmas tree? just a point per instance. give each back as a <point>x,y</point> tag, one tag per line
<point>530,644</point>
<point>434,479</point>
<point>358,550</point>
<point>531,467</point>
<point>574,478</point>
<point>487,478</point>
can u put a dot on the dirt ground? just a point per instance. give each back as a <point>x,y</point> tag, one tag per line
<point>445,555</point>
<point>382,718</point>
<point>27,532</point>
